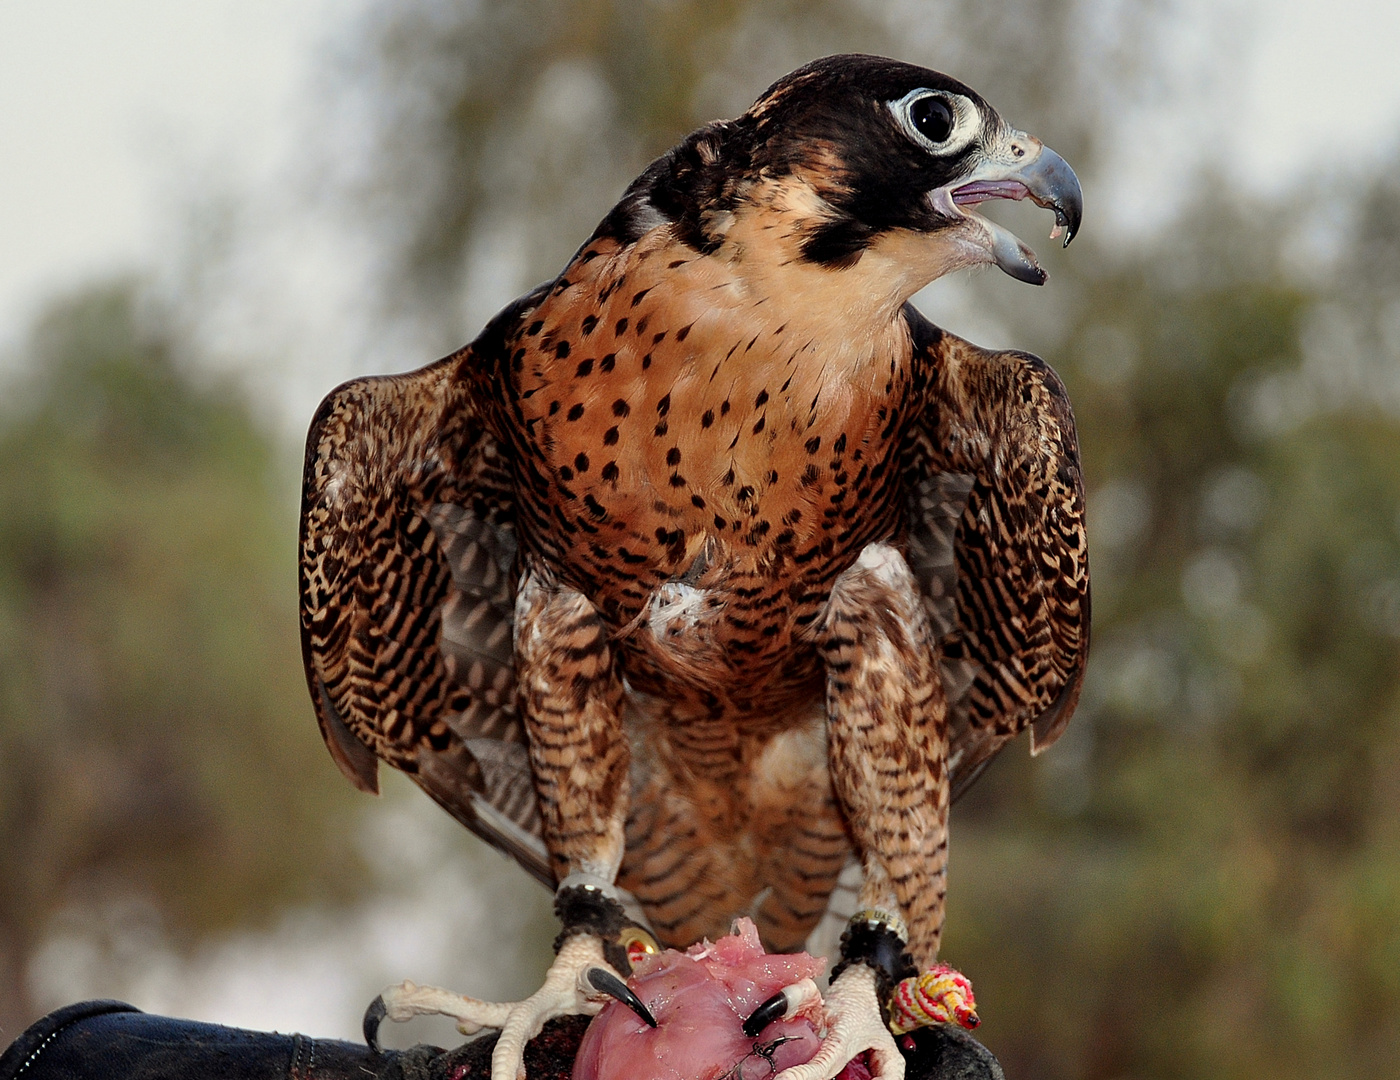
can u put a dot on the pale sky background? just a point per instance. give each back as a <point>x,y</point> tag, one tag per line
<point>114,115</point>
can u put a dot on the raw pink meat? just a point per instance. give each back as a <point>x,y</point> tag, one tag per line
<point>700,999</point>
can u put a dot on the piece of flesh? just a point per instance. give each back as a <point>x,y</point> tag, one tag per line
<point>700,999</point>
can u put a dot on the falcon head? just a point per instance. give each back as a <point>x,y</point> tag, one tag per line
<point>868,158</point>
<point>893,148</point>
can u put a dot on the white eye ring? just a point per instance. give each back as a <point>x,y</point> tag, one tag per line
<point>965,119</point>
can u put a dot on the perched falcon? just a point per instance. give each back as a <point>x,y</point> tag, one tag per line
<point>711,565</point>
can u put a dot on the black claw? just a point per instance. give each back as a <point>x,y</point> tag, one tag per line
<point>765,1014</point>
<point>373,1016</point>
<point>606,982</point>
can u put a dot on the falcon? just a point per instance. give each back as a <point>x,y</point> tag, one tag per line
<point>711,566</point>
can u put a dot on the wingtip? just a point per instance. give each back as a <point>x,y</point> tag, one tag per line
<point>356,760</point>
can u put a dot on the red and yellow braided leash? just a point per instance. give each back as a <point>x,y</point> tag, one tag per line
<point>941,995</point>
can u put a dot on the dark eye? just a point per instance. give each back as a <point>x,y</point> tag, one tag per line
<point>932,118</point>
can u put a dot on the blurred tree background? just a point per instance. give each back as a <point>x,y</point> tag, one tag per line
<point>1201,879</point>
<point>145,628</point>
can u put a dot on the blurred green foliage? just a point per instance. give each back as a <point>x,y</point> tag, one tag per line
<point>154,733</point>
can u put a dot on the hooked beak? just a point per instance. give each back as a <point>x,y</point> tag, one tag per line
<point>1024,169</point>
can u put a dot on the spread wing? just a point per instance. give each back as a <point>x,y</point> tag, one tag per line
<point>996,541</point>
<point>407,599</point>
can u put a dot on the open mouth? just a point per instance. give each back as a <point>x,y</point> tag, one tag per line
<point>1007,250</point>
<point>1046,180</point>
<point>980,191</point>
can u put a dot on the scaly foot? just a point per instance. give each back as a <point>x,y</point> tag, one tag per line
<point>578,982</point>
<point>854,1025</point>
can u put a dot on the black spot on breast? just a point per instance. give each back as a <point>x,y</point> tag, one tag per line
<point>620,328</point>
<point>758,425</point>
<point>609,472</point>
<point>761,400</point>
<point>813,444</point>
<point>720,522</point>
<point>698,502</point>
<point>661,429</point>
<point>621,408</point>
<point>575,411</point>
<point>677,480</point>
<point>595,507</point>
<point>561,350</point>
<point>810,475</point>
<point>707,418</point>
<point>565,473</point>
<point>638,297</point>
<point>839,446</point>
<point>744,494</point>
<point>581,463</point>
<point>728,478</point>
<point>673,456</point>
<point>646,361</point>
<point>658,338</point>
<point>772,476</point>
<point>663,406</point>
<point>684,332</point>
<point>589,322</point>
<point>553,407</point>
<point>608,362</point>
<point>724,407</point>
<point>585,368</point>
<point>534,328</point>
<point>610,437</point>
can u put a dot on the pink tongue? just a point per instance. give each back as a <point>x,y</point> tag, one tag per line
<point>700,999</point>
<point>983,190</point>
